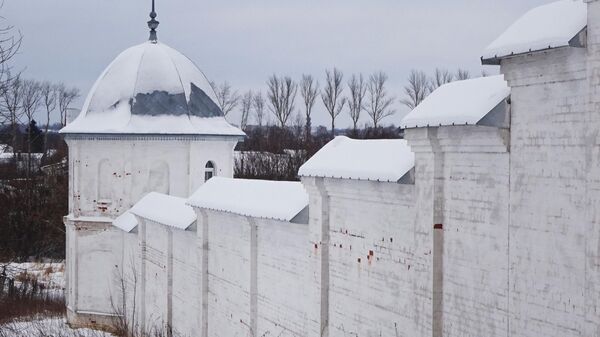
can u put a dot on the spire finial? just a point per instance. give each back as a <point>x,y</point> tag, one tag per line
<point>153,24</point>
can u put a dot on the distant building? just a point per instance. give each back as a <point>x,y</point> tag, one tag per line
<point>483,221</point>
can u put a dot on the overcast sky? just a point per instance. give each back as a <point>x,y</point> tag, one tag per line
<point>244,41</point>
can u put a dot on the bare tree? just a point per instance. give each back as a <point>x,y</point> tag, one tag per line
<point>331,95</point>
<point>66,96</point>
<point>11,105</point>
<point>379,101</point>
<point>124,303</point>
<point>416,90</point>
<point>227,98</point>
<point>246,106</point>
<point>440,77</point>
<point>10,42</point>
<point>49,93</point>
<point>309,89</point>
<point>358,89</point>
<point>462,74</point>
<point>30,102</point>
<point>258,103</point>
<point>281,95</point>
<point>298,125</point>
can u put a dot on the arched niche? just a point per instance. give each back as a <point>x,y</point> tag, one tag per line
<point>158,178</point>
<point>105,180</point>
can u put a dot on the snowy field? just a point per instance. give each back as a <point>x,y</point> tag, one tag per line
<point>50,275</point>
<point>52,327</point>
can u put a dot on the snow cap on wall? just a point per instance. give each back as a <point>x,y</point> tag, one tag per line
<point>152,89</point>
<point>280,200</point>
<point>549,26</point>
<point>165,209</point>
<point>378,160</point>
<point>126,222</point>
<point>459,103</point>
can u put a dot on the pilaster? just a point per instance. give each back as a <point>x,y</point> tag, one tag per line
<point>428,167</point>
<point>592,228</point>
<point>203,251</point>
<point>318,284</point>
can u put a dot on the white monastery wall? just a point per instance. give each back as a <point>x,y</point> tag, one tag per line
<point>100,249</point>
<point>256,270</point>
<point>156,271</point>
<point>127,282</point>
<point>498,235</point>
<point>549,166</point>
<point>170,279</point>
<point>229,275</point>
<point>461,180</point>
<point>103,257</point>
<point>473,242</point>
<point>186,288</point>
<point>282,249</point>
<point>368,259</point>
<point>371,258</point>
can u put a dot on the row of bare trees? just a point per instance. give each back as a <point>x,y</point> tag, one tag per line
<point>419,85</point>
<point>364,95</point>
<point>31,204</point>
<point>21,99</point>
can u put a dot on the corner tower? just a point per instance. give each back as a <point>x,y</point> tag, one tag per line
<point>149,124</point>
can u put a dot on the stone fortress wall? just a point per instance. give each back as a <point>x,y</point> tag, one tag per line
<point>496,235</point>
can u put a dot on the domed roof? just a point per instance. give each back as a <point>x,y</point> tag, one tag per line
<point>152,89</point>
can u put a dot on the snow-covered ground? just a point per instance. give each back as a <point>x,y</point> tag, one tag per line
<point>54,327</point>
<point>50,275</point>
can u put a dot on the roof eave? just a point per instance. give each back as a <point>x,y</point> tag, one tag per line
<point>115,134</point>
<point>379,180</point>
<point>213,209</point>
<point>577,41</point>
<point>496,60</point>
<point>496,117</point>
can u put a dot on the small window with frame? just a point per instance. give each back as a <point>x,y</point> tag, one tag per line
<point>209,170</point>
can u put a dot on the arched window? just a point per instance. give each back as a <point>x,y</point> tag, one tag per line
<point>209,170</point>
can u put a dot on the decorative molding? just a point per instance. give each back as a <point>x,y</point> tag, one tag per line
<point>159,137</point>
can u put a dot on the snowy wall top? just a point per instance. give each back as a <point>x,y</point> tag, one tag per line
<point>549,26</point>
<point>126,222</point>
<point>165,209</point>
<point>152,89</point>
<point>459,103</point>
<point>379,160</point>
<point>280,200</point>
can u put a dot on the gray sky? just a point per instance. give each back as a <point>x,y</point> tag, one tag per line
<point>244,41</point>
